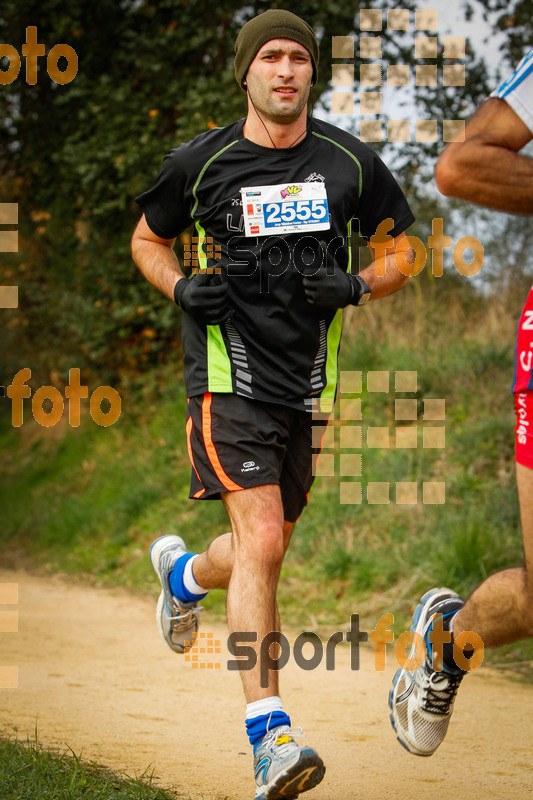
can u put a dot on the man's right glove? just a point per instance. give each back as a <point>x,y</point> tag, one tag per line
<point>203,299</point>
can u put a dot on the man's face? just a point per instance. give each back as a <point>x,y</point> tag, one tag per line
<point>279,80</point>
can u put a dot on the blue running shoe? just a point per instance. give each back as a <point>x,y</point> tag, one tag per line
<point>422,700</point>
<point>177,622</point>
<point>282,768</point>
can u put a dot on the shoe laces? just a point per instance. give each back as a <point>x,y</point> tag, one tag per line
<point>271,737</point>
<point>185,617</point>
<point>438,692</point>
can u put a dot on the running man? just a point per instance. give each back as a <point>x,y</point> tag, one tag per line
<point>488,169</point>
<point>260,341</point>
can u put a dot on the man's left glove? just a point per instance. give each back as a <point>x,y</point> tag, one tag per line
<point>331,287</point>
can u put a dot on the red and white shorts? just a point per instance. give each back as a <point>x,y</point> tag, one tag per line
<point>523,386</point>
<point>523,403</point>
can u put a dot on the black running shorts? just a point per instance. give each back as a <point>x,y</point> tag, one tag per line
<point>235,443</point>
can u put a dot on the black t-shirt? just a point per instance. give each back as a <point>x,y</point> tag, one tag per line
<point>276,347</point>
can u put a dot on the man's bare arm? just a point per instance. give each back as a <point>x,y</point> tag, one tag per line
<point>393,279</point>
<point>487,168</point>
<point>156,259</point>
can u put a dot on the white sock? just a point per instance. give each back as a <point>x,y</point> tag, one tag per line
<point>265,706</point>
<point>188,578</point>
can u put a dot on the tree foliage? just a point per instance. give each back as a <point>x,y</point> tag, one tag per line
<point>514,18</point>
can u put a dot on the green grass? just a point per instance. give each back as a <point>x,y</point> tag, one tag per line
<point>89,501</point>
<point>30,772</point>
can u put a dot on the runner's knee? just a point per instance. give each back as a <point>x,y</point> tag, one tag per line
<point>266,545</point>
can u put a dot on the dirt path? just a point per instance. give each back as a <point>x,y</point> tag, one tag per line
<point>95,675</point>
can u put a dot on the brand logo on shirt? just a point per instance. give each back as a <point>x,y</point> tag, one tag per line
<point>290,190</point>
<point>315,176</point>
<point>249,466</point>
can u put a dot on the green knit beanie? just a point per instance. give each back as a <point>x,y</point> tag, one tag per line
<point>273,24</point>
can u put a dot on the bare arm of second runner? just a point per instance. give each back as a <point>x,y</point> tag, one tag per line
<point>382,275</point>
<point>487,168</point>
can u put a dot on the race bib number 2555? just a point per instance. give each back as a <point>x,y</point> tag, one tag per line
<point>285,208</point>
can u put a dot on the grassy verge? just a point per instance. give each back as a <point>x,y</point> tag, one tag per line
<point>30,772</point>
<point>89,501</point>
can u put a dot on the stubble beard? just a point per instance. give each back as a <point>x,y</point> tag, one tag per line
<point>282,113</point>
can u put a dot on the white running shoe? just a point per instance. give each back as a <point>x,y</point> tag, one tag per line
<point>422,700</point>
<point>177,622</point>
<point>282,768</point>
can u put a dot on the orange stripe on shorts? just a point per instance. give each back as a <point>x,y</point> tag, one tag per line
<point>188,429</point>
<point>212,454</point>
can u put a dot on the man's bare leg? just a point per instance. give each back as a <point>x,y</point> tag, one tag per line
<point>256,517</point>
<point>252,560</point>
<point>500,610</point>
<point>212,569</point>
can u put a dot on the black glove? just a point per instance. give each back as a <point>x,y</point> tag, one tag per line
<point>204,297</point>
<point>329,286</point>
